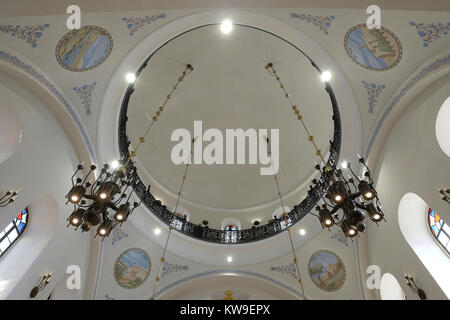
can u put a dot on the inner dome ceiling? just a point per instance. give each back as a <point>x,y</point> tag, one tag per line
<point>229,89</point>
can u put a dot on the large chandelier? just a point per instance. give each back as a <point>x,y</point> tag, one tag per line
<point>347,201</point>
<point>105,202</point>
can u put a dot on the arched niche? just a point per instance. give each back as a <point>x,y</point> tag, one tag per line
<point>230,221</point>
<point>248,286</point>
<point>42,225</point>
<point>390,289</point>
<point>9,130</point>
<point>443,127</point>
<point>412,219</point>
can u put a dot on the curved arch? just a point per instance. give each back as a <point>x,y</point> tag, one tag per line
<point>390,289</point>
<point>164,292</point>
<point>423,77</point>
<point>412,219</point>
<point>41,228</point>
<point>9,131</point>
<point>443,127</point>
<point>44,89</point>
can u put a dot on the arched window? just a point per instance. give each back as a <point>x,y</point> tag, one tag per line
<point>280,214</point>
<point>231,227</point>
<point>13,231</point>
<point>231,233</point>
<point>180,216</point>
<point>439,229</point>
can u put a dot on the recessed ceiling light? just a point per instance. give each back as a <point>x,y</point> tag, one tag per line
<point>226,26</point>
<point>325,76</point>
<point>157,231</point>
<point>114,164</point>
<point>302,232</point>
<point>344,165</point>
<point>130,77</point>
<point>229,258</point>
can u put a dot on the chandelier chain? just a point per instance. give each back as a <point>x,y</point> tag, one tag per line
<point>173,219</point>
<point>158,113</point>
<point>273,73</point>
<point>284,216</point>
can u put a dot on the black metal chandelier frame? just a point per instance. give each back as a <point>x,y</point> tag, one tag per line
<point>254,233</point>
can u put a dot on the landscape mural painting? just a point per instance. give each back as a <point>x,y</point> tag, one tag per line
<point>84,49</point>
<point>132,268</point>
<point>373,49</point>
<point>327,270</point>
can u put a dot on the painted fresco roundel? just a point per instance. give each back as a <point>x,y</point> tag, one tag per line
<point>327,270</point>
<point>373,49</point>
<point>84,49</point>
<point>132,268</point>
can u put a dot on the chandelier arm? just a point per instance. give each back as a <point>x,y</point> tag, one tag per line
<point>355,195</point>
<point>92,168</point>
<point>339,222</point>
<point>335,209</point>
<point>351,170</point>
<point>326,203</point>
<point>79,167</point>
<point>360,206</point>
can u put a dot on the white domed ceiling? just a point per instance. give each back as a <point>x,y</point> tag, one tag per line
<point>229,88</point>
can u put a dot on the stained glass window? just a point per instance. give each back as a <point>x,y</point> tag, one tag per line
<point>13,231</point>
<point>439,229</point>
<point>285,222</point>
<point>231,233</point>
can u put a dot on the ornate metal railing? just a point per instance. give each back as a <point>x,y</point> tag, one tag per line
<point>222,236</point>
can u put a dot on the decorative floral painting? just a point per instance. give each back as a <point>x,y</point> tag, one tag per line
<point>373,49</point>
<point>132,268</point>
<point>84,49</point>
<point>327,270</point>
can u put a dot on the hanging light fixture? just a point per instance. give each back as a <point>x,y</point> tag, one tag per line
<point>93,202</point>
<point>105,202</point>
<point>347,201</point>
<point>445,194</point>
<point>8,197</point>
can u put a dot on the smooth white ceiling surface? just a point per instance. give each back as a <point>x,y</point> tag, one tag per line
<point>229,89</point>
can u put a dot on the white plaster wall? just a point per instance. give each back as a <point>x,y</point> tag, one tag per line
<point>412,161</point>
<point>41,165</point>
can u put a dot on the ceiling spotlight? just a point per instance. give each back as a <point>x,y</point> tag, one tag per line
<point>325,76</point>
<point>229,258</point>
<point>226,26</point>
<point>344,165</point>
<point>157,231</point>
<point>302,232</point>
<point>130,77</point>
<point>115,164</point>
